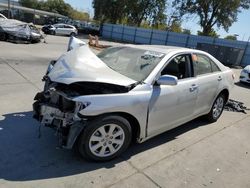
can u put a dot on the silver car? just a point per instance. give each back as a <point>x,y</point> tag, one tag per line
<point>63,29</point>
<point>101,102</point>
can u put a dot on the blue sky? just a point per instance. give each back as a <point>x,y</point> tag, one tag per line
<point>241,27</point>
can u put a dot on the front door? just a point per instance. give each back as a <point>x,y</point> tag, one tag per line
<point>171,106</point>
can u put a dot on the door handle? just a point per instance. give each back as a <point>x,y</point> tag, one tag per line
<point>219,78</point>
<point>193,87</point>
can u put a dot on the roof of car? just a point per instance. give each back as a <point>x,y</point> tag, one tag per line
<point>161,48</point>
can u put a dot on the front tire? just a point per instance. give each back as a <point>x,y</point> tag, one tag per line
<point>216,109</point>
<point>105,138</point>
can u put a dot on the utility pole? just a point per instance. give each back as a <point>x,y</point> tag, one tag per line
<point>8,9</point>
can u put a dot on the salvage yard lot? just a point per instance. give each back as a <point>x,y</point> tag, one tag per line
<point>196,154</point>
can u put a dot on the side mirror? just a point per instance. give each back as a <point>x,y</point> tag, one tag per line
<point>167,80</point>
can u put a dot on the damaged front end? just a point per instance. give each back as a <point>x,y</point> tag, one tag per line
<point>54,109</point>
<point>76,73</point>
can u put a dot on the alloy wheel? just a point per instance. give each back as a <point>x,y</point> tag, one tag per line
<point>218,107</point>
<point>106,140</point>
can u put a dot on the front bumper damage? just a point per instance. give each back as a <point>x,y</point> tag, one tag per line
<point>53,109</point>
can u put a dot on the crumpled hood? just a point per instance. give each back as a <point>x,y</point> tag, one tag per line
<point>82,65</point>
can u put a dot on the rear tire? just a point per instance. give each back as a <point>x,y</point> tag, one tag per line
<point>216,109</point>
<point>105,138</point>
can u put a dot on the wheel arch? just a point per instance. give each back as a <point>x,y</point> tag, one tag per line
<point>225,92</point>
<point>135,125</point>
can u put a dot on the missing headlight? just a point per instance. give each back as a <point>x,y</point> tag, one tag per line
<point>81,105</point>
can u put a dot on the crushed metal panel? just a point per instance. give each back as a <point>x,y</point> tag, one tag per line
<point>20,30</point>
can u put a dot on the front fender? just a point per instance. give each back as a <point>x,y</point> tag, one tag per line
<point>134,103</point>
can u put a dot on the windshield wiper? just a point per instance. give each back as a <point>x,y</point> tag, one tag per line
<point>132,86</point>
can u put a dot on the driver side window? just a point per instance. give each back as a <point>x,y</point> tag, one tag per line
<point>180,66</point>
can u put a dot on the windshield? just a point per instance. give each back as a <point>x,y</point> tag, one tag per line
<point>134,63</point>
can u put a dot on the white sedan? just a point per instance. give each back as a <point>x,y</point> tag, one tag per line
<point>100,103</point>
<point>60,29</point>
<point>245,75</point>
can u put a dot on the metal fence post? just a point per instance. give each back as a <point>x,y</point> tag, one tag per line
<point>151,35</point>
<point>135,35</point>
<point>243,56</point>
<point>186,45</point>
<point>101,29</point>
<point>122,33</point>
<point>166,40</point>
<point>214,40</point>
<point>112,31</point>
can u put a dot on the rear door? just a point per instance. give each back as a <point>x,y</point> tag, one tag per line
<point>68,29</point>
<point>209,80</point>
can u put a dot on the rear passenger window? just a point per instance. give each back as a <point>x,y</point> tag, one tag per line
<point>215,67</point>
<point>201,64</point>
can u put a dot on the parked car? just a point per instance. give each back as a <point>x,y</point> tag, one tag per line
<point>245,75</point>
<point>101,102</point>
<point>15,30</point>
<point>60,29</point>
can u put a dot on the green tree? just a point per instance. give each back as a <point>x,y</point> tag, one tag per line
<point>231,37</point>
<point>109,10</point>
<point>212,33</point>
<point>175,26</point>
<point>56,6</point>
<point>151,10</point>
<point>186,31</point>
<point>222,13</point>
<point>133,11</point>
<point>29,3</point>
<point>78,15</point>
